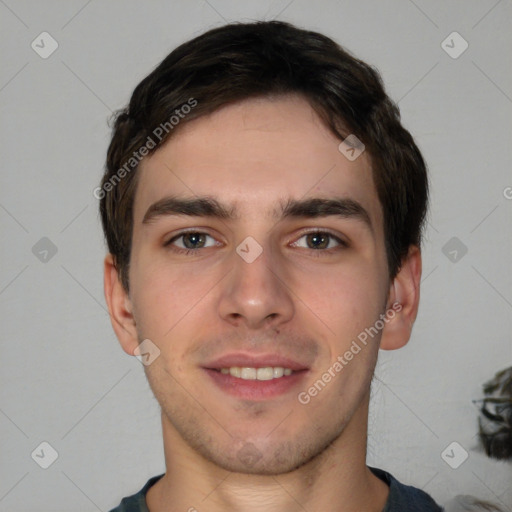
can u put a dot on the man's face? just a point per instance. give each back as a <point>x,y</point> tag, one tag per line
<point>318,282</point>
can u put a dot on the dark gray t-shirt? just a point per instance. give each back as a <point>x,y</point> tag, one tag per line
<point>402,498</point>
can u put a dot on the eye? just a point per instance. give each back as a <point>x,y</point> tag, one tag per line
<point>189,241</point>
<point>320,240</point>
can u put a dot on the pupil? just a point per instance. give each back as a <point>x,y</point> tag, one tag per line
<point>193,238</point>
<point>318,238</point>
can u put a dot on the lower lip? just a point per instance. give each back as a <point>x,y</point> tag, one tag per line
<point>256,389</point>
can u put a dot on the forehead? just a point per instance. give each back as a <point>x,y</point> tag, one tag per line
<point>253,155</point>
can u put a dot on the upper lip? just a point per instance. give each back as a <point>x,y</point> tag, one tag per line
<point>255,361</point>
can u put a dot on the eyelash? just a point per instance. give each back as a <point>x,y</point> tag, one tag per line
<point>316,252</point>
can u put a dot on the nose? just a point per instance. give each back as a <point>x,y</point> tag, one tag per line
<point>256,295</point>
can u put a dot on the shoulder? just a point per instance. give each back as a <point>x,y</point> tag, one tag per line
<point>137,502</point>
<point>405,498</point>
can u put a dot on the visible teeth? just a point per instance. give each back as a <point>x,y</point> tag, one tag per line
<point>235,371</point>
<point>246,373</point>
<point>278,372</point>
<point>265,373</point>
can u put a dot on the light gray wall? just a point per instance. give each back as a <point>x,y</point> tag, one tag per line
<point>65,379</point>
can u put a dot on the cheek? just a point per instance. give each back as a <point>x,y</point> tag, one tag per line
<point>345,303</point>
<point>345,297</point>
<point>165,295</point>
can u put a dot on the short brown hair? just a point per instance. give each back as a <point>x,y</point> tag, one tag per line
<point>245,60</point>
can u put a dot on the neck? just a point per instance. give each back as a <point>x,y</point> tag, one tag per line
<point>336,479</point>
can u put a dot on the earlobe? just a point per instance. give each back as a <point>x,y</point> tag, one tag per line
<point>119,307</point>
<point>404,290</point>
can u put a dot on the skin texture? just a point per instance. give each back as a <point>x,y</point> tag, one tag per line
<point>293,300</point>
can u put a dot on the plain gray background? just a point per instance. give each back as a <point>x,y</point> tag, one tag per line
<point>65,379</point>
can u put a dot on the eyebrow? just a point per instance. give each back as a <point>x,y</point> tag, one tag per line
<point>291,208</point>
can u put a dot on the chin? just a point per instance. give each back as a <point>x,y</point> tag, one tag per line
<point>267,457</point>
<point>250,461</point>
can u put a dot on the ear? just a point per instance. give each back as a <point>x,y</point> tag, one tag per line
<point>119,307</point>
<point>403,299</point>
